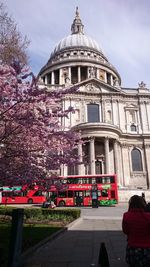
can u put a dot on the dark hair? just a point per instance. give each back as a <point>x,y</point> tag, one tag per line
<point>136,202</point>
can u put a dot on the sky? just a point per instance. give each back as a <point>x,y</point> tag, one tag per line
<point>121,28</point>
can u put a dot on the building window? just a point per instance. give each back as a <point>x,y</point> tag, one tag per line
<point>56,76</point>
<point>93,112</point>
<point>132,115</point>
<point>133,128</point>
<point>136,160</point>
<point>74,75</point>
<point>108,75</point>
<point>83,73</point>
<point>73,170</point>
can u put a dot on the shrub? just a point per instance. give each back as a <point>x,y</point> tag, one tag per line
<point>39,213</point>
<point>4,210</point>
<point>74,213</point>
<point>30,213</point>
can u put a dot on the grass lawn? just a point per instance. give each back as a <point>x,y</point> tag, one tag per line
<point>32,234</point>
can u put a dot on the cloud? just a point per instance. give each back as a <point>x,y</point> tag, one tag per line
<point>120,27</point>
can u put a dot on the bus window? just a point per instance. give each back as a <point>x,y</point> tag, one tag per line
<point>72,181</point>
<point>7,194</point>
<point>112,178</point>
<point>25,192</point>
<point>93,180</point>
<point>99,193</point>
<point>80,194</point>
<point>87,193</point>
<point>103,180</point>
<point>70,193</point>
<point>98,180</point>
<point>38,193</point>
<point>107,180</point>
<point>104,193</point>
<point>17,194</point>
<point>90,180</point>
<point>62,193</point>
<point>85,180</point>
<point>65,181</point>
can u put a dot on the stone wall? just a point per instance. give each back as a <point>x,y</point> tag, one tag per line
<point>124,194</point>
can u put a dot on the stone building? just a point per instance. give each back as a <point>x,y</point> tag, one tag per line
<point>114,121</point>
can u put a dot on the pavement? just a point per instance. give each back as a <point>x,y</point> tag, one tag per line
<point>79,245</point>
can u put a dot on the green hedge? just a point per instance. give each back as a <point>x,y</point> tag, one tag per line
<point>39,213</point>
<point>75,213</point>
<point>5,210</point>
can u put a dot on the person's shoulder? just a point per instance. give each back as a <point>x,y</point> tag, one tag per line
<point>147,208</point>
<point>125,214</point>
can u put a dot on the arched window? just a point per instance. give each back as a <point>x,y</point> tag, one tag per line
<point>133,128</point>
<point>136,160</point>
<point>93,113</point>
<point>132,115</point>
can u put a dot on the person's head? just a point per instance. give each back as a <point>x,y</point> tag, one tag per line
<point>136,202</point>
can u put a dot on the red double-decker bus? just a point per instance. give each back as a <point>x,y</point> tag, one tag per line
<point>84,190</point>
<point>26,195</point>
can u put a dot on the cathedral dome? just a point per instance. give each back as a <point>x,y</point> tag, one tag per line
<point>78,57</point>
<point>77,39</point>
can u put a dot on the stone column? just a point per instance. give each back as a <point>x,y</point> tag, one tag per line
<point>92,156</point>
<point>88,72</point>
<point>69,74</point>
<point>52,78</point>
<point>106,144</point>
<point>64,170</point>
<point>80,155</point>
<point>105,75</point>
<point>60,76</point>
<point>97,74</point>
<point>116,160</point>
<point>111,79</point>
<point>46,79</point>
<point>103,169</point>
<point>79,74</point>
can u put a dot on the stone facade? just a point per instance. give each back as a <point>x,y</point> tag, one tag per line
<point>114,121</point>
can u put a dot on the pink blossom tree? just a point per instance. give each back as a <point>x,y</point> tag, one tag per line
<point>32,140</point>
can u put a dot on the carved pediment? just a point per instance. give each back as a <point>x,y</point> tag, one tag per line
<point>96,86</point>
<point>131,107</point>
<point>90,87</point>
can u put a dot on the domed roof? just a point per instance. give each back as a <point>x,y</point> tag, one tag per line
<point>77,38</point>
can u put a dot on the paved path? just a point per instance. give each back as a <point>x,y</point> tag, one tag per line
<point>79,246</point>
